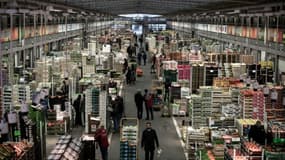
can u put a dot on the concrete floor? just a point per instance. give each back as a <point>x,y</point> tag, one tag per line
<point>168,138</point>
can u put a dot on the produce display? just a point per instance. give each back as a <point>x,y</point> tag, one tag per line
<point>252,147</point>
<point>15,150</point>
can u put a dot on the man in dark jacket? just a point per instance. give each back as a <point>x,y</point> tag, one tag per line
<point>148,142</point>
<point>130,51</point>
<point>257,133</point>
<point>139,99</point>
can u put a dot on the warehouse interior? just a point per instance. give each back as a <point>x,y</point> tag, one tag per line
<point>74,75</point>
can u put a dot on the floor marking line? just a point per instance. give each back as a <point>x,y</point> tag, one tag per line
<point>179,135</point>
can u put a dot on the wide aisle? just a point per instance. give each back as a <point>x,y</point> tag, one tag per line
<point>168,138</point>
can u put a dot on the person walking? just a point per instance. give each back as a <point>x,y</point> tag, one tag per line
<point>130,51</point>
<point>120,110</point>
<point>82,110</point>
<point>149,141</point>
<point>133,74</point>
<point>125,65</point>
<point>145,104</point>
<point>128,75</point>
<point>257,133</point>
<point>144,57</point>
<point>139,58</point>
<point>139,104</point>
<point>115,114</point>
<point>149,104</point>
<point>76,105</point>
<point>101,137</point>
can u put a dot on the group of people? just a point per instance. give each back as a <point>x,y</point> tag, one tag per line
<point>147,101</point>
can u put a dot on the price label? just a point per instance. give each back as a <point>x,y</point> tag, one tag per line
<point>17,133</point>
<point>235,139</point>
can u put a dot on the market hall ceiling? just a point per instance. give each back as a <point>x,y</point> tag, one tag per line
<point>162,7</point>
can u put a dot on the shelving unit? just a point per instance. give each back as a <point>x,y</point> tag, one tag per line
<point>129,139</point>
<point>196,112</point>
<point>219,98</point>
<point>7,98</point>
<point>195,141</point>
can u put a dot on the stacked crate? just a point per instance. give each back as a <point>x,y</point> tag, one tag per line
<point>235,92</point>
<point>246,101</point>
<point>247,59</point>
<point>219,97</point>
<point>276,112</point>
<point>258,105</point>
<point>238,69</point>
<point>218,151</point>
<point>197,76</point>
<point>52,126</point>
<point>206,93</point>
<point>228,70</point>
<point>7,98</point>
<point>76,57</point>
<point>42,71</point>
<point>5,77</point>
<point>22,93</point>
<point>183,72</point>
<point>196,112</point>
<point>196,139</point>
<point>88,64</point>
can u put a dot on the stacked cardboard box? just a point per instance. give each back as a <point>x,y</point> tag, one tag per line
<point>258,105</point>
<point>246,101</point>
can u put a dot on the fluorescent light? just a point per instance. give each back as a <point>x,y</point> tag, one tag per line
<point>50,8</point>
<point>70,11</point>
<point>139,15</point>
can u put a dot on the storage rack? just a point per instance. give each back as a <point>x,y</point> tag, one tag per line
<point>196,112</point>
<point>219,97</point>
<point>92,104</point>
<point>129,139</point>
<point>206,93</point>
<point>7,98</point>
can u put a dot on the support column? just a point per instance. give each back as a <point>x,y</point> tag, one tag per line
<point>34,43</point>
<point>11,59</point>
<point>277,56</point>
<point>23,41</point>
<point>1,75</point>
